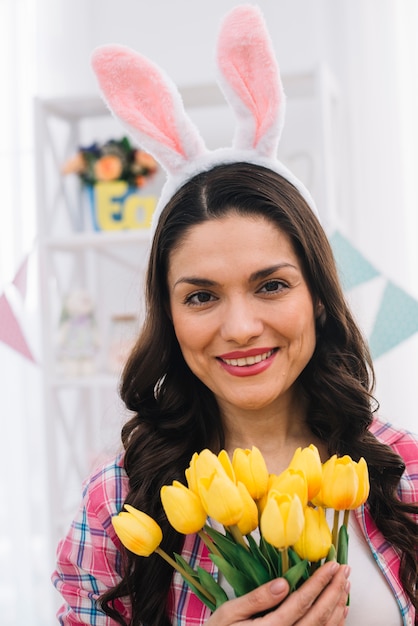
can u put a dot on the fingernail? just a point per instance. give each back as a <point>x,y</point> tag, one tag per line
<point>334,567</point>
<point>347,570</point>
<point>346,611</point>
<point>277,586</point>
<point>347,587</point>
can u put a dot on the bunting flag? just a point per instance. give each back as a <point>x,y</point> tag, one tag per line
<point>396,318</point>
<point>354,268</point>
<point>396,321</point>
<point>10,331</point>
<point>21,277</point>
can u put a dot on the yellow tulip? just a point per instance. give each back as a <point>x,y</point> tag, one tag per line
<point>363,483</point>
<point>315,540</point>
<point>138,532</point>
<point>183,508</point>
<point>204,465</point>
<point>309,461</point>
<point>221,499</point>
<point>249,519</point>
<point>282,520</point>
<point>340,484</point>
<point>250,468</point>
<point>291,481</point>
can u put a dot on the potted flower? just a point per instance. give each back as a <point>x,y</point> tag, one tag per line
<point>113,173</point>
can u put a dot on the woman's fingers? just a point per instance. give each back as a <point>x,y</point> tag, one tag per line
<point>320,601</point>
<point>239,610</point>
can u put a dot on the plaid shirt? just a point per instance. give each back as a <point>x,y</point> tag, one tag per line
<point>89,557</point>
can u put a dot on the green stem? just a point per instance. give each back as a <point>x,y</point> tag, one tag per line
<point>346,518</point>
<point>185,575</point>
<point>208,543</point>
<point>237,535</point>
<point>335,528</point>
<point>285,560</point>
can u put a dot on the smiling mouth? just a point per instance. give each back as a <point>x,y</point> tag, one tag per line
<point>248,360</point>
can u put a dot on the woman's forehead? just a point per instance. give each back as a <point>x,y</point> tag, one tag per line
<point>250,241</point>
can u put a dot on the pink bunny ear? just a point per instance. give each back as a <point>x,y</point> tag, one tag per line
<point>250,80</point>
<point>148,104</point>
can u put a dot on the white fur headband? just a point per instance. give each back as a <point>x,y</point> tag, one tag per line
<point>150,107</point>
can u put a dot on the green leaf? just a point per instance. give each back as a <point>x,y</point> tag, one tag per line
<point>179,559</point>
<point>257,553</point>
<point>332,554</point>
<point>342,545</point>
<point>185,565</point>
<point>273,557</point>
<point>239,557</point>
<point>209,583</point>
<point>296,573</point>
<point>294,557</point>
<point>239,581</point>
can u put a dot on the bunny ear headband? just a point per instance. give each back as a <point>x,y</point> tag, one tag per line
<point>150,107</point>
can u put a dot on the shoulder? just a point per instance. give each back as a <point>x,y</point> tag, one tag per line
<point>404,442</point>
<point>104,491</point>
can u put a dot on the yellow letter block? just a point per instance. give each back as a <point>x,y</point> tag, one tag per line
<point>118,207</point>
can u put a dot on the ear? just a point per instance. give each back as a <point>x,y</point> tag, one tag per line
<point>250,80</point>
<point>320,314</point>
<point>148,104</point>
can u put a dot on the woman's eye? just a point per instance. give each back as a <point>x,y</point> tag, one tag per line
<point>201,297</point>
<point>273,286</point>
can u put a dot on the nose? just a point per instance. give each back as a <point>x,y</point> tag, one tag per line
<point>241,321</point>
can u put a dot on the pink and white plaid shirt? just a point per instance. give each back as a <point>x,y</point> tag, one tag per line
<point>89,558</point>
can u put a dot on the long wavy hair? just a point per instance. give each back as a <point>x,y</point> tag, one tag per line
<point>176,415</point>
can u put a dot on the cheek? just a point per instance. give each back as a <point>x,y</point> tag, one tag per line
<point>302,329</point>
<point>190,335</point>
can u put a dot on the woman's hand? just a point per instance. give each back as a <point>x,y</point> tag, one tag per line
<point>320,601</point>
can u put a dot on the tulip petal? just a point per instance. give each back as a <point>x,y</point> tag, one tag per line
<point>221,499</point>
<point>183,508</point>
<point>138,532</point>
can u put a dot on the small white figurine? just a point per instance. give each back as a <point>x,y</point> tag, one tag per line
<point>77,342</point>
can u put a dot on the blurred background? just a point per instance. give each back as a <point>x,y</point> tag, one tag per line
<point>350,70</point>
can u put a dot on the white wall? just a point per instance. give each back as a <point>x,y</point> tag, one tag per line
<point>353,37</point>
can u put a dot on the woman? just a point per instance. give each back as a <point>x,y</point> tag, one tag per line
<point>240,268</point>
<point>247,341</point>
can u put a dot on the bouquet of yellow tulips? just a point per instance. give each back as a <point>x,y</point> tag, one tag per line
<point>287,510</point>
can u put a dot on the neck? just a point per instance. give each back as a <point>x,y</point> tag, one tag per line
<point>276,432</point>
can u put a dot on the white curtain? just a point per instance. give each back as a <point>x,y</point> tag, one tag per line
<point>385,30</point>
<point>380,210</point>
<point>25,599</point>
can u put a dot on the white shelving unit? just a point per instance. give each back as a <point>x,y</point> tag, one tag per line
<point>83,415</point>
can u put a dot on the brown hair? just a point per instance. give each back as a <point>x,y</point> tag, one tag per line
<point>176,415</point>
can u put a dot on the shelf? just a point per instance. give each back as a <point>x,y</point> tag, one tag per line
<point>108,381</point>
<point>102,239</point>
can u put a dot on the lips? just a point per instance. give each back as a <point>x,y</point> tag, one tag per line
<point>245,359</point>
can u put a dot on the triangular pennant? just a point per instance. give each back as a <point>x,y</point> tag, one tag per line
<point>20,279</point>
<point>10,331</point>
<point>396,321</point>
<point>354,269</point>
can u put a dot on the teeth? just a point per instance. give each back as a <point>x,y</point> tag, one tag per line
<point>249,360</point>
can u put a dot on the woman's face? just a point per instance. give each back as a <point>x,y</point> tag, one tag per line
<point>242,310</point>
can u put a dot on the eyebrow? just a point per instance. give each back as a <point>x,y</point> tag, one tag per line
<point>259,274</point>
